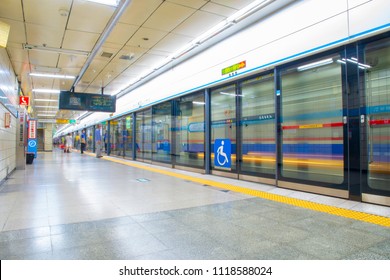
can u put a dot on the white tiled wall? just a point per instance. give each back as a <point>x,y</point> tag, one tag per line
<point>48,145</point>
<point>7,145</point>
<point>8,86</point>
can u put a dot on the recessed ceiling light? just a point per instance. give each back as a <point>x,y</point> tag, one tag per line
<point>106,2</point>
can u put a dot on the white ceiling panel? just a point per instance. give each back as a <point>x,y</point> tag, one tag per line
<point>115,87</point>
<point>135,71</point>
<point>146,37</point>
<point>235,4</point>
<point>42,59</point>
<point>171,42</point>
<point>62,84</point>
<point>20,67</point>
<point>76,40</point>
<point>11,9</point>
<point>47,35</point>
<point>17,53</point>
<point>46,13</point>
<point>71,62</point>
<point>139,11</point>
<point>196,4</point>
<point>122,33</point>
<point>95,87</point>
<point>150,60</point>
<point>17,33</point>
<point>218,9</point>
<point>198,23</point>
<point>168,16</point>
<point>89,17</point>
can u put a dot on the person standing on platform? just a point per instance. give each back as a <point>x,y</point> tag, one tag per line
<point>68,143</point>
<point>83,141</point>
<point>98,141</point>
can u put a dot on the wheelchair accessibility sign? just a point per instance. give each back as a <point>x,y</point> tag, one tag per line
<point>222,153</point>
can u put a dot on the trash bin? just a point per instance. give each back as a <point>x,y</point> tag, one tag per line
<point>29,158</point>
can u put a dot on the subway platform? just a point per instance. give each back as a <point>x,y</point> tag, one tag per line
<point>73,206</point>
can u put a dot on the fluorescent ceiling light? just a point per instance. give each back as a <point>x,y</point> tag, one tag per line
<point>315,64</point>
<point>43,90</point>
<point>184,50</point>
<point>46,115</point>
<point>48,112</point>
<point>55,50</point>
<point>230,94</point>
<point>106,2</point>
<point>248,10</point>
<point>53,107</point>
<point>46,100</point>
<point>55,76</point>
<point>46,120</point>
<point>212,32</point>
<point>198,103</point>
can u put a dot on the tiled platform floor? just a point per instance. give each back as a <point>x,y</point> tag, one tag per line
<point>72,206</point>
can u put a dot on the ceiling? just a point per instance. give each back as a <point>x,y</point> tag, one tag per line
<point>144,34</point>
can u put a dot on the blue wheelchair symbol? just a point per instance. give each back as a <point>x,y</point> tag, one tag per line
<point>222,153</point>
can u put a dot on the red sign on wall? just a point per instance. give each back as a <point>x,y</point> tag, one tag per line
<point>32,129</point>
<point>7,120</point>
<point>24,100</point>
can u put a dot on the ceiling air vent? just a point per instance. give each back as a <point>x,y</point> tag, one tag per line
<point>106,54</point>
<point>127,56</point>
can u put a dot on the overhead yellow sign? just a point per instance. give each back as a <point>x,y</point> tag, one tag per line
<point>4,32</point>
<point>62,121</point>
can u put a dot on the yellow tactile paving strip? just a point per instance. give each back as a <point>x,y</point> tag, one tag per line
<point>346,213</point>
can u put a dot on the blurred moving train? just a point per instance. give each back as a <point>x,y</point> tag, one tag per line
<point>309,112</point>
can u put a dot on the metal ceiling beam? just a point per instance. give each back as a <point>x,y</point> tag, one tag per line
<point>103,37</point>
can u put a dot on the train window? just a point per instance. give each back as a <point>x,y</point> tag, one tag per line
<point>312,124</point>
<point>258,125</point>
<point>190,131</point>
<point>377,83</point>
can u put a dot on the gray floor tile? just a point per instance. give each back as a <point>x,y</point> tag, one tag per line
<point>46,213</point>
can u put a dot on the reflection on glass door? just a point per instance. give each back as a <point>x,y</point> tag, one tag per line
<point>144,134</point>
<point>161,136</point>
<point>377,82</point>
<point>190,131</point>
<point>127,134</point>
<point>223,123</point>
<point>312,121</point>
<point>116,139</point>
<point>258,147</point>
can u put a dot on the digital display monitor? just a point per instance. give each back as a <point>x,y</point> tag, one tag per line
<point>87,102</point>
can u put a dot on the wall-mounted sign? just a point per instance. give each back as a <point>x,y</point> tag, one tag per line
<point>223,154</point>
<point>32,129</point>
<point>87,102</point>
<point>7,120</point>
<point>234,67</point>
<point>24,100</point>
<point>4,32</point>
